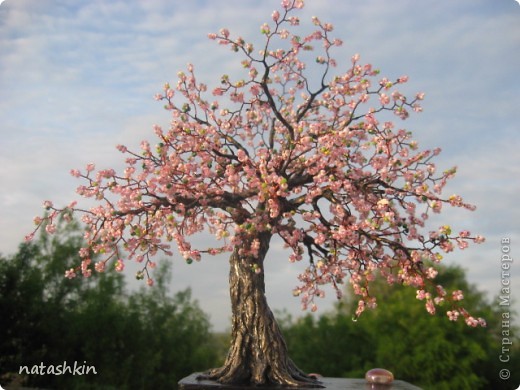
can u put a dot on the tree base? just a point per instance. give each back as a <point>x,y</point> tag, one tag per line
<point>197,381</point>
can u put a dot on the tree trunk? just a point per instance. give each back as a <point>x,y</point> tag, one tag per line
<point>258,353</point>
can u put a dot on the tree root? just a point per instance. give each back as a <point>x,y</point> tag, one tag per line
<point>237,374</point>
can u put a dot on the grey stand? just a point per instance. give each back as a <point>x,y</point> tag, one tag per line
<point>192,383</point>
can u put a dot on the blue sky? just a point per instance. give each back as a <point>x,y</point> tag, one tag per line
<point>77,77</point>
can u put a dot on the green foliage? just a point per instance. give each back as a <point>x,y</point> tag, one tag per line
<point>428,351</point>
<point>332,345</point>
<point>145,339</point>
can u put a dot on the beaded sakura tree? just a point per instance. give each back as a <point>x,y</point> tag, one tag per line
<point>289,151</point>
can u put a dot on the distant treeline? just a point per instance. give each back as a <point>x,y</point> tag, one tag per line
<point>150,339</point>
<point>428,351</point>
<point>141,340</point>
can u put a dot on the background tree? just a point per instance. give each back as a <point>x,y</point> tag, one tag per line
<point>49,319</point>
<point>429,351</point>
<point>303,154</point>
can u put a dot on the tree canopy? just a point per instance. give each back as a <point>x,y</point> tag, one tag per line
<point>317,160</point>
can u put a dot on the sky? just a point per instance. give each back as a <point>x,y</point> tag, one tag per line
<point>77,77</point>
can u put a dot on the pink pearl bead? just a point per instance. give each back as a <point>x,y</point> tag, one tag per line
<point>379,375</point>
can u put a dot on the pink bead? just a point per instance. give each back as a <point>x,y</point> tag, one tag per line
<point>379,375</point>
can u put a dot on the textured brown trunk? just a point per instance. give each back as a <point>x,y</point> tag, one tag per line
<point>258,353</point>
